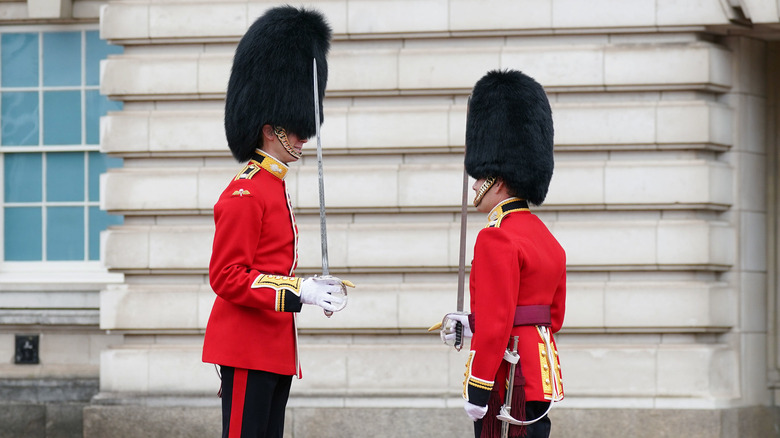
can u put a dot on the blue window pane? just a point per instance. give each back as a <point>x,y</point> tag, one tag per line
<point>22,176</point>
<point>65,176</point>
<point>22,234</point>
<point>61,58</point>
<point>19,60</point>
<point>19,118</point>
<point>97,106</point>
<point>97,49</point>
<point>99,220</point>
<point>61,117</point>
<point>99,163</point>
<point>65,233</point>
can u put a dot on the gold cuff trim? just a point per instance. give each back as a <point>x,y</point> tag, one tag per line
<point>281,285</point>
<point>474,381</point>
<point>278,282</point>
<point>481,384</point>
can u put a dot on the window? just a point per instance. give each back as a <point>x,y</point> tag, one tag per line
<point>50,108</point>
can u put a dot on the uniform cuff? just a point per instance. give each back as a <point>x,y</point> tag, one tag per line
<point>475,390</point>
<point>288,291</point>
<point>478,392</point>
<point>287,301</point>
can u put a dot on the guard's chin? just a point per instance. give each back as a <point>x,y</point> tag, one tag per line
<point>295,154</point>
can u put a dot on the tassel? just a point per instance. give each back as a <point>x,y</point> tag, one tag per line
<point>518,405</point>
<point>219,374</point>
<point>491,426</point>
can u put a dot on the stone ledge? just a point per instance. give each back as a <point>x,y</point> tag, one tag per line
<point>651,245</point>
<point>51,420</point>
<point>162,21</point>
<point>46,317</point>
<point>202,76</point>
<point>39,391</point>
<point>123,422</point>
<point>752,422</point>
<point>396,187</point>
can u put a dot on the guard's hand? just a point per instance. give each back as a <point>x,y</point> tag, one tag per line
<point>454,328</point>
<point>474,412</point>
<point>327,292</point>
<point>449,327</point>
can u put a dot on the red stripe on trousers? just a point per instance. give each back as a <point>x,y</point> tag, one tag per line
<point>237,403</point>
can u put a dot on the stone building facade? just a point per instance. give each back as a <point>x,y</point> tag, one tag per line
<point>664,196</point>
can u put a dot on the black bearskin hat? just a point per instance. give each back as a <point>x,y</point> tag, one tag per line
<point>509,133</point>
<point>272,82</point>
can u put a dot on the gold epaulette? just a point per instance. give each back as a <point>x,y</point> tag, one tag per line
<point>261,160</point>
<point>251,168</point>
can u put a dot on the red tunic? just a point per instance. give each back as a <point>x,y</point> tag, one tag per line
<point>516,262</point>
<point>252,324</point>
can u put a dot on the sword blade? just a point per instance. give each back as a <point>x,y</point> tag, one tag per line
<point>462,259</point>
<point>462,255</point>
<point>323,227</point>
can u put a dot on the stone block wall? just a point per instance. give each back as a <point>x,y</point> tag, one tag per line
<point>660,197</point>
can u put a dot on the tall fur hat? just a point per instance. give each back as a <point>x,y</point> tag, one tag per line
<point>272,82</point>
<point>509,133</point>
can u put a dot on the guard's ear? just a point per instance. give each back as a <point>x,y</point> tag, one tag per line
<point>500,186</point>
<point>268,133</point>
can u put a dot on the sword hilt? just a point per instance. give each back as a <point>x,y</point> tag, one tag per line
<point>458,336</point>
<point>512,358</point>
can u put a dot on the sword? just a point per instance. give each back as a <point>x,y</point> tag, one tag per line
<point>461,264</point>
<point>462,256</point>
<point>512,357</point>
<point>323,227</point>
<point>462,259</point>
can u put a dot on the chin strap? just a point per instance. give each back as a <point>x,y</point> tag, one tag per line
<point>483,190</point>
<point>281,134</point>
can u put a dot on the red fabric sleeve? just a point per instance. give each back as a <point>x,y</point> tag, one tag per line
<point>496,267</point>
<point>558,306</point>
<point>239,222</point>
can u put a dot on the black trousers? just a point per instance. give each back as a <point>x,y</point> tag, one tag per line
<point>533,409</point>
<point>253,403</point>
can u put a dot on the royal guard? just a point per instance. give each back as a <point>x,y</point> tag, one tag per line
<point>269,115</point>
<point>518,275</point>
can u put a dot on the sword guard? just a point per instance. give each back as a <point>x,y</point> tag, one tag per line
<point>344,284</point>
<point>505,416</point>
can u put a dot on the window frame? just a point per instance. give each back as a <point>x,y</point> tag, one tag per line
<point>54,273</point>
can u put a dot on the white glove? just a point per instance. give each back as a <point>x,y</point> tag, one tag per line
<point>327,292</point>
<point>449,324</point>
<point>474,412</point>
